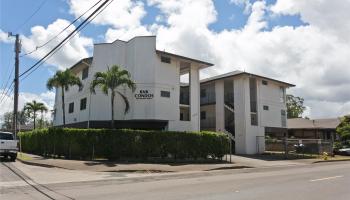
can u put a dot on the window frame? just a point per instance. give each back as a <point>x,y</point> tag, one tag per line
<point>71,109</point>
<point>165,93</point>
<point>81,100</point>
<point>165,59</point>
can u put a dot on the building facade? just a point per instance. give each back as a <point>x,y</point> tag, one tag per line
<point>155,103</point>
<point>243,105</point>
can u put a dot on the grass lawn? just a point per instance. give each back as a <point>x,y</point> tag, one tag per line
<point>24,156</point>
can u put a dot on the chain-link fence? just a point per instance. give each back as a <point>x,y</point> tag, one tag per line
<point>298,146</point>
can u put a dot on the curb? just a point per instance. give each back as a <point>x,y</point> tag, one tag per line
<point>53,166</point>
<point>39,164</point>
<point>322,161</point>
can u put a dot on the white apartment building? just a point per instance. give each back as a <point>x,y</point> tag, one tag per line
<point>245,105</point>
<point>241,104</point>
<point>155,103</point>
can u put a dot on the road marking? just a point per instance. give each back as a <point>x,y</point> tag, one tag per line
<point>327,178</point>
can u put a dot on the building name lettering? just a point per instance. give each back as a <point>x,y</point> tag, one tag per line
<point>144,94</point>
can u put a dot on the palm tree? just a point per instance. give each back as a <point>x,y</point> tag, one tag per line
<point>111,80</point>
<point>42,110</point>
<point>33,107</point>
<point>63,80</point>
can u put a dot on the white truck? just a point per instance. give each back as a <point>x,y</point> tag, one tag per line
<point>8,145</point>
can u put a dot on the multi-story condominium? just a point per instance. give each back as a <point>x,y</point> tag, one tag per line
<point>155,103</point>
<point>243,105</point>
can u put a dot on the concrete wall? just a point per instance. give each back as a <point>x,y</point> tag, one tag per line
<point>138,56</point>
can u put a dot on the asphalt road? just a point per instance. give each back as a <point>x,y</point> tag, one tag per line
<point>317,181</point>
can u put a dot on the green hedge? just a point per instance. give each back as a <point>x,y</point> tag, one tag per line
<point>124,143</point>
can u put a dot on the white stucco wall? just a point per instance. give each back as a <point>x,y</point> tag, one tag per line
<point>139,57</point>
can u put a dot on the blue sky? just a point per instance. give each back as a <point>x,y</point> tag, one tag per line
<point>230,16</point>
<point>277,38</point>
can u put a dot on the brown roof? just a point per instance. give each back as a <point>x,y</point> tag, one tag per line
<point>86,60</point>
<point>301,123</point>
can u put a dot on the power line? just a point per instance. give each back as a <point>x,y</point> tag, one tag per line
<point>65,39</point>
<point>7,93</point>
<point>50,40</point>
<point>31,16</point>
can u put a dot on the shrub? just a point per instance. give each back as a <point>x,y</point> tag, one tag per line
<point>124,143</point>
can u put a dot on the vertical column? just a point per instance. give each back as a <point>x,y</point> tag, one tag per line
<point>241,95</point>
<point>219,106</point>
<point>194,98</point>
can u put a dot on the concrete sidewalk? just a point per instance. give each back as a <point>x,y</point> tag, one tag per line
<point>259,162</point>
<point>109,166</point>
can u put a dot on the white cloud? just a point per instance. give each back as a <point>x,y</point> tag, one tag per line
<point>246,3</point>
<point>47,98</point>
<point>120,13</point>
<point>70,53</point>
<point>330,16</point>
<point>5,38</point>
<point>311,56</point>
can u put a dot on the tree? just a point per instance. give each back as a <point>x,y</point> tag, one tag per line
<point>8,117</point>
<point>43,110</point>
<point>295,106</point>
<point>32,108</point>
<point>63,80</point>
<point>344,128</point>
<point>110,81</point>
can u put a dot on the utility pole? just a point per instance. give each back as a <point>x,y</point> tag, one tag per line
<point>16,82</point>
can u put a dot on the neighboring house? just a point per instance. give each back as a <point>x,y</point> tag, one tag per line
<point>246,105</point>
<point>155,103</point>
<point>313,128</point>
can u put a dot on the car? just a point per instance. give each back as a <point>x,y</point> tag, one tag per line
<point>344,151</point>
<point>8,145</point>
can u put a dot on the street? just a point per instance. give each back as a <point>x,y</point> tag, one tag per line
<point>317,181</point>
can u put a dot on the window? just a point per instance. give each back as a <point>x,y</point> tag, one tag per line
<point>266,107</point>
<point>83,104</point>
<point>165,94</point>
<point>203,115</point>
<point>165,59</point>
<point>253,102</point>
<point>81,88</point>
<point>264,82</point>
<point>253,119</point>
<point>71,108</point>
<point>181,116</point>
<point>283,118</point>
<point>282,94</point>
<point>203,93</point>
<point>85,73</point>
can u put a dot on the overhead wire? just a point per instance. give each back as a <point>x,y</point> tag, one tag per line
<point>64,29</point>
<point>31,16</point>
<point>65,40</point>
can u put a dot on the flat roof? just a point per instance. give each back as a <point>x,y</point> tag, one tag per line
<point>184,57</point>
<point>238,72</point>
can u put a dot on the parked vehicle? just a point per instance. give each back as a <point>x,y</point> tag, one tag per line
<point>8,145</point>
<point>344,151</point>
